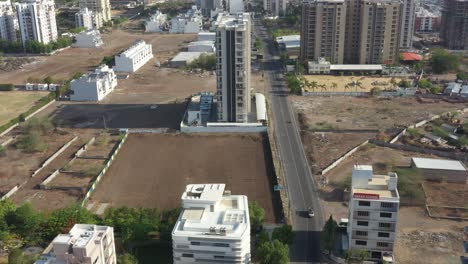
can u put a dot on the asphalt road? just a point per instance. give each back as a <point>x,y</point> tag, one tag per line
<point>300,186</point>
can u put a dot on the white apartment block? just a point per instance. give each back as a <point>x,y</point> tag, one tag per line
<point>134,57</point>
<point>275,7</point>
<point>213,226</point>
<point>156,22</point>
<point>407,24</point>
<point>36,20</point>
<point>88,39</point>
<point>101,7</point>
<point>373,212</point>
<point>88,19</point>
<point>236,6</point>
<point>95,85</point>
<point>191,22</point>
<point>85,244</point>
<point>8,22</point>
<point>233,48</point>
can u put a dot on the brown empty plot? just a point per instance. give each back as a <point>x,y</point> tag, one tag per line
<point>13,103</point>
<point>152,170</point>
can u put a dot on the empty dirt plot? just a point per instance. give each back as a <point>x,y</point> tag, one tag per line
<point>13,103</point>
<point>152,170</point>
<point>447,199</point>
<point>331,83</point>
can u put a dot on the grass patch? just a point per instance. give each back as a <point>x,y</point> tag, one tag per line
<point>409,185</point>
<point>324,125</point>
<point>438,131</point>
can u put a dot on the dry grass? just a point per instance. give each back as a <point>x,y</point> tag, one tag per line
<point>15,102</point>
<point>341,81</point>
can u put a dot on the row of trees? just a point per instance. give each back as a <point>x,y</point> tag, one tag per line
<point>32,46</point>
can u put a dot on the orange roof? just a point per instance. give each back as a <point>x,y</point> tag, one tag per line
<point>410,56</point>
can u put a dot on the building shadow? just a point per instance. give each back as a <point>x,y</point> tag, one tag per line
<point>103,116</point>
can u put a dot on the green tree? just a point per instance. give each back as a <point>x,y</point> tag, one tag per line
<point>263,237</point>
<point>16,256</point>
<point>257,215</point>
<point>25,222</point>
<point>462,76</point>
<point>284,234</point>
<point>127,258</point>
<point>273,252</point>
<point>356,255</point>
<point>329,234</point>
<point>442,61</point>
<point>294,84</point>
<point>62,220</point>
<point>6,207</point>
<point>205,61</point>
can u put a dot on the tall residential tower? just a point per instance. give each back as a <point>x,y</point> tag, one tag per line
<point>408,14</point>
<point>454,24</point>
<point>233,48</point>
<point>101,7</point>
<point>36,20</point>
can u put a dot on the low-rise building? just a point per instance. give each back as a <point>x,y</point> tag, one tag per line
<point>291,44</point>
<point>213,226</point>
<point>452,171</point>
<point>134,57</point>
<point>184,58</point>
<point>452,88</point>
<point>202,46</point>
<point>88,39</point>
<point>373,213</point>
<point>86,244</point>
<point>320,66</point>
<point>156,22</point>
<point>204,36</point>
<point>95,85</point>
<point>191,22</point>
<point>199,109</point>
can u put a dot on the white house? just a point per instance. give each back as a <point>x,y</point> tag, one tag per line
<point>191,22</point>
<point>202,46</point>
<point>95,85</point>
<point>83,244</point>
<point>373,212</point>
<point>88,39</point>
<point>320,66</point>
<point>134,57</point>
<point>213,226</point>
<point>156,22</point>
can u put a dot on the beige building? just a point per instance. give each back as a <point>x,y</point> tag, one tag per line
<point>323,30</point>
<point>86,244</point>
<point>101,7</point>
<point>408,15</point>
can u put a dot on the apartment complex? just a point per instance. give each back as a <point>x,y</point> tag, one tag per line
<point>213,226</point>
<point>407,24</point>
<point>323,30</point>
<point>156,22</point>
<point>86,244</point>
<point>233,47</point>
<point>190,22</point>
<point>454,24</point>
<point>373,212</point>
<point>101,7</point>
<point>88,19</point>
<point>36,19</point>
<point>275,7</point>
<point>426,21</point>
<point>207,6</point>
<point>134,57</point>
<point>95,85</point>
<point>8,22</point>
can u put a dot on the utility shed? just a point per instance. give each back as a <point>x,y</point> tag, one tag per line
<point>451,171</point>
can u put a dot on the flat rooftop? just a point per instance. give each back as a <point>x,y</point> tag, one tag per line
<point>438,164</point>
<point>351,67</point>
<point>380,193</point>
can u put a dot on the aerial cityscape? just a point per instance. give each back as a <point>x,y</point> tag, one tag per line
<point>233,131</point>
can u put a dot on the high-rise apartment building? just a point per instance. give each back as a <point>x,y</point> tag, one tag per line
<point>454,24</point>
<point>408,14</point>
<point>8,22</point>
<point>373,212</point>
<point>36,20</point>
<point>379,31</point>
<point>101,7</point>
<point>88,19</point>
<point>233,47</point>
<point>323,30</point>
<point>213,226</point>
<point>207,6</point>
<point>86,244</point>
<point>275,7</point>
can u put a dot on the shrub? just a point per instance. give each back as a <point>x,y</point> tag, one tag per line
<point>2,150</point>
<point>442,61</point>
<point>32,142</point>
<point>438,131</point>
<point>205,61</point>
<point>7,87</point>
<point>40,125</point>
<point>257,215</point>
<point>376,91</point>
<point>413,132</point>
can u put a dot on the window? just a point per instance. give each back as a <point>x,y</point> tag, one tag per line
<point>218,257</point>
<point>221,245</point>
<point>195,243</point>
<point>361,233</point>
<point>386,215</point>
<point>384,234</point>
<point>364,203</point>
<point>362,223</point>
<point>211,208</point>
<point>385,225</point>
<point>186,255</point>
<point>361,242</point>
<point>363,213</point>
<point>382,244</point>
<point>386,205</point>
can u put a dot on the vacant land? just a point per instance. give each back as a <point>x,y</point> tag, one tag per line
<point>65,64</point>
<point>343,83</point>
<point>13,103</point>
<point>152,170</point>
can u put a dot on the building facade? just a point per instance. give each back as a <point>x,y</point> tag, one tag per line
<point>134,57</point>
<point>454,24</point>
<point>88,39</point>
<point>36,21</point>
<point>86,244</point>
<point>236,6</point>
<point>323,30</point>
<point>233,48</point>
<point>407,24</point>
<point>213,226</point>
<point>88,19</point>
<point>275,7</point>
<point>426,21</point>
<point>101,7</point>
<point>8,22</point>
<point>95,85</point>
<point>373,212</point>
<point>156,22</point>
<point>207,6</point>
<point>191,22</point>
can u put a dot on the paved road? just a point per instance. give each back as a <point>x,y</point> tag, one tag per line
<point>300,186</point>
